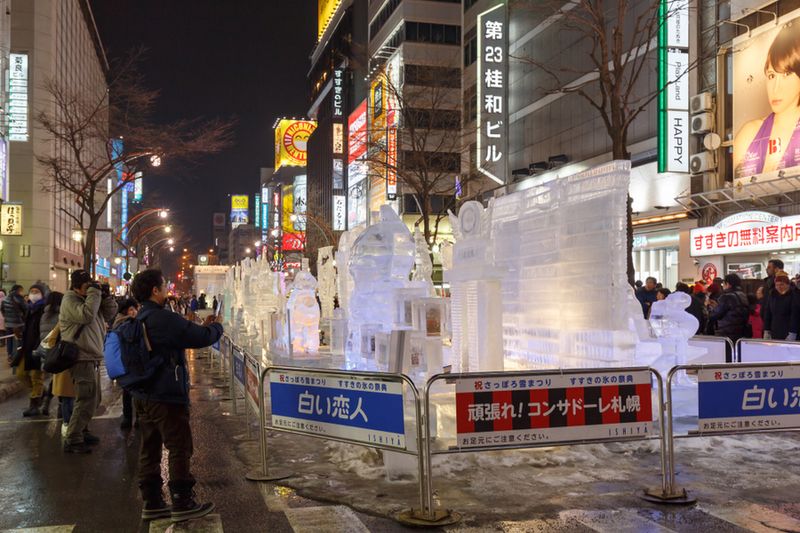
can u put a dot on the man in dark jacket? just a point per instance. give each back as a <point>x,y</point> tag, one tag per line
<point>14,311</point>
<point>732,311</point>
<point>162,405</point>
<point>782,314</point>
<point>647,295</point>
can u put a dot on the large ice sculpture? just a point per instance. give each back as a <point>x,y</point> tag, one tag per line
<point>344,280</point>
<point>326,274</point>
<point>673,326</point>
<point>304,312</point>
<point>380,262</point>
<point>475,299</point>
<point>565,293</point>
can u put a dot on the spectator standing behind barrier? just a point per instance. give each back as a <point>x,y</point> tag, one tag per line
<point>782,313</point>
<point>84,313</point>
<point>29,363</point>
<point>732,312</point>
<point>128,310</point>
<point>162,405</point>
<point>647,295</point>
<point>757,303</point>
<point>14,310</point>
<point>52,308</point>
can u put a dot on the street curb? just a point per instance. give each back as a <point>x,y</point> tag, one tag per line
<point>9,388</point>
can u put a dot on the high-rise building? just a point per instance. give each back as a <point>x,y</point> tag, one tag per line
<point>51,41</point>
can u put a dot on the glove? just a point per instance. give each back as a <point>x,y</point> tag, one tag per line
<point>768,335</point>
<point>791,337</point>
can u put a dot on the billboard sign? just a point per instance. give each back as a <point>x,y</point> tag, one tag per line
<point>357,133</point>
<point>357,194</point>
<point>536,409</point>
<point>287,199</point>
<point>11,219</point>
<point>240,210</point>
<point>747,232</point>
<point>338,93</point>
<point>391,162</point>
<point>339,212</point>
<point>673,101</point>
<point>748,398</point>
<point>3,169</point>
<point>492,116</point>
<point>326,9</point>
<point>300,202</point>
<point>291,142</point>
<point>357,408</point>
<point>258,211</point>
<point>218,220</point>
<point>18,97</point>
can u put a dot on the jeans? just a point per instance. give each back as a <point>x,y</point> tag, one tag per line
<point>67,405</point>
<point>168,425</point>
<point>87,398</point>
<point>127,405</point>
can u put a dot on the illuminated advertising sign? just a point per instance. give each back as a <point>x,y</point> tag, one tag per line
<point>265,199</point>
<point>377,124</point>
<point>338,138</point>
<point>219,220</point>
<point>673,101</point>
<point>3,169</point>
<point>338,174</point>
<point>138,187</point>
<point>357,133</point>
<point>765,105</point>
<point>11,219</point>
<point>391,159</point>
<point>18,97</point>
<point>291,142</point>
<point>492,117</point>
<point>202,259</point>
<point>293,242</point>
<point>338,94</point>
<point>300,202</point>
<point>258,211</point>
<point>326,9</point>
<point>747,232</point>
<point>240,210</point>
<point>339,212</point>
<point>287,199</point>
<point>357,194</point>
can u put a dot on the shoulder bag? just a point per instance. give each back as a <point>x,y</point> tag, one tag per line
<point>63,356</point>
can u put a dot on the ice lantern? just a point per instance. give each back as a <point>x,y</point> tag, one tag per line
<point>380,262</point>
<point>475,291</point>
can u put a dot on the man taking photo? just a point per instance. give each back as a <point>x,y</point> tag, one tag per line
<point>85,311</point>
<point>162,404</point>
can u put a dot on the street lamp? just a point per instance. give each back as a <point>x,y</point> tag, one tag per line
<point>170,241</point>
<point>77,235</point>
<point>117,260</point>
<point>168,229</point>
<point>155,160</point>
<point>257,244</point>
<point>163,213</point>
<point>171,248</point>
<point>247,250</point>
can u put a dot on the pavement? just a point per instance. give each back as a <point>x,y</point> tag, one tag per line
<point>45,491</point>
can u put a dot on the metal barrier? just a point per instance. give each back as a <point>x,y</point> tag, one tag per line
<point>424,516</point>
<point>729,368</point>
<point>759,351</point>
<point>660,494</point>
<point>711,342</point>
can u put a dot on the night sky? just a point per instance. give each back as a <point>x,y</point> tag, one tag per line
<point>234,59</point>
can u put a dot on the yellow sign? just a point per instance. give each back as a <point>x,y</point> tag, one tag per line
<point>291,142</point>
<point>288,207</point>
<point>325,11</point>
<point>240,202</point>
<point>377,108</point>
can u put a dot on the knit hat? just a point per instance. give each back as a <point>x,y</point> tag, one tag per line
<point>78,278</point>
<point>780,275</point>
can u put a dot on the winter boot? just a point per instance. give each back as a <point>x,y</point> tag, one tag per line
<point>33,408</point>
<point>153,505</point>
<point>184,506</point>
<point>46,404</point>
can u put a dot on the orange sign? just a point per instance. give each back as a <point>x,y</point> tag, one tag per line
<point>291,142</point>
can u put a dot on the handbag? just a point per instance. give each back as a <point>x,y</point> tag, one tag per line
<point>63,356</point>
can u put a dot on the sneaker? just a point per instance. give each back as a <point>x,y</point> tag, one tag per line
<point>154,510</point>
<point>64,428</point>
<point>125,424</point>
<point>90,439</point>
<point>78,448</point>
<point>191,511</point>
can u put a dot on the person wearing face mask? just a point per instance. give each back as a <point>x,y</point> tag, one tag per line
<point>29,369</point>
<point>162,404</point>
<point>85,312</point>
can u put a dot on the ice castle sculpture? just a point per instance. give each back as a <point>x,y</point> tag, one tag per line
<point>304,312</point>
<point>475,294</point>
<point>380,262</point>
<point>326,274</point>
<point>423,266</point>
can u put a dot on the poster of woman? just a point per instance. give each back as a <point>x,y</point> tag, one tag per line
<point>766,99</point>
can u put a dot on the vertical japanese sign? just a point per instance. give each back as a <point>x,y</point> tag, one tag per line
<point>18,97</point>
<point>338,138</point>
<point>339,212</point>
<point>673,82</point>
<point>492,156</point>
<point>265,223</point>
<point>11,219</point>
<point>338,94</point>
<point>356,408</point>
<point>391,158</point>
<point>748,398</point>
<point>251,381</point>
<point>3,169</point>
<point>539,409</point>
<point>258,211</point>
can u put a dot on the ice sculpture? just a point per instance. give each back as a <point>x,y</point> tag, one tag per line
<point>380,262</point>
<point>344,280</point>
<point>304,312</point>
<point>475,295</point>
<point>565,293</point>
<point>326,274</point>
<point>423,266</point>
<point>673,326</point>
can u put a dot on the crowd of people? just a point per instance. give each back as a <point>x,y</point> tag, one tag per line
<point>36,320</point>
<point>723,308</point>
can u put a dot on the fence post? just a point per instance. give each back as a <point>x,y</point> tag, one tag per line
<point>264,473</point>
<point>234,392</point>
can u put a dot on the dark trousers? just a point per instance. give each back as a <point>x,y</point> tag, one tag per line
<point>168,425</point>
<point>127,405</point>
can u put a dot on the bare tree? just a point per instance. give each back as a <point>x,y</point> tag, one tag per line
<point>426,111</point>
<point>82,157</point>
<point>619,39</point>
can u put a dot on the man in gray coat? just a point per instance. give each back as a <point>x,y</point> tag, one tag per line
<point>85,311</point>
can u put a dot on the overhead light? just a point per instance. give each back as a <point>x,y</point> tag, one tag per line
<point>662,218</point>
<point>164,213</point>
<point>557,160</point>
<point>171,242</point>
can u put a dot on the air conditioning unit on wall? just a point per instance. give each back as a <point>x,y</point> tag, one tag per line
<point>701,102</point>
<point>702,123</point>
<point>702,162</point>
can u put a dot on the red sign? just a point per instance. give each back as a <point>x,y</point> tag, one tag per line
<point>750,231</point>
<point>535,409</point>
<point>293,242</point>
<point>709,272</point>
<point>357,133</point>
<point>391,162</point>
